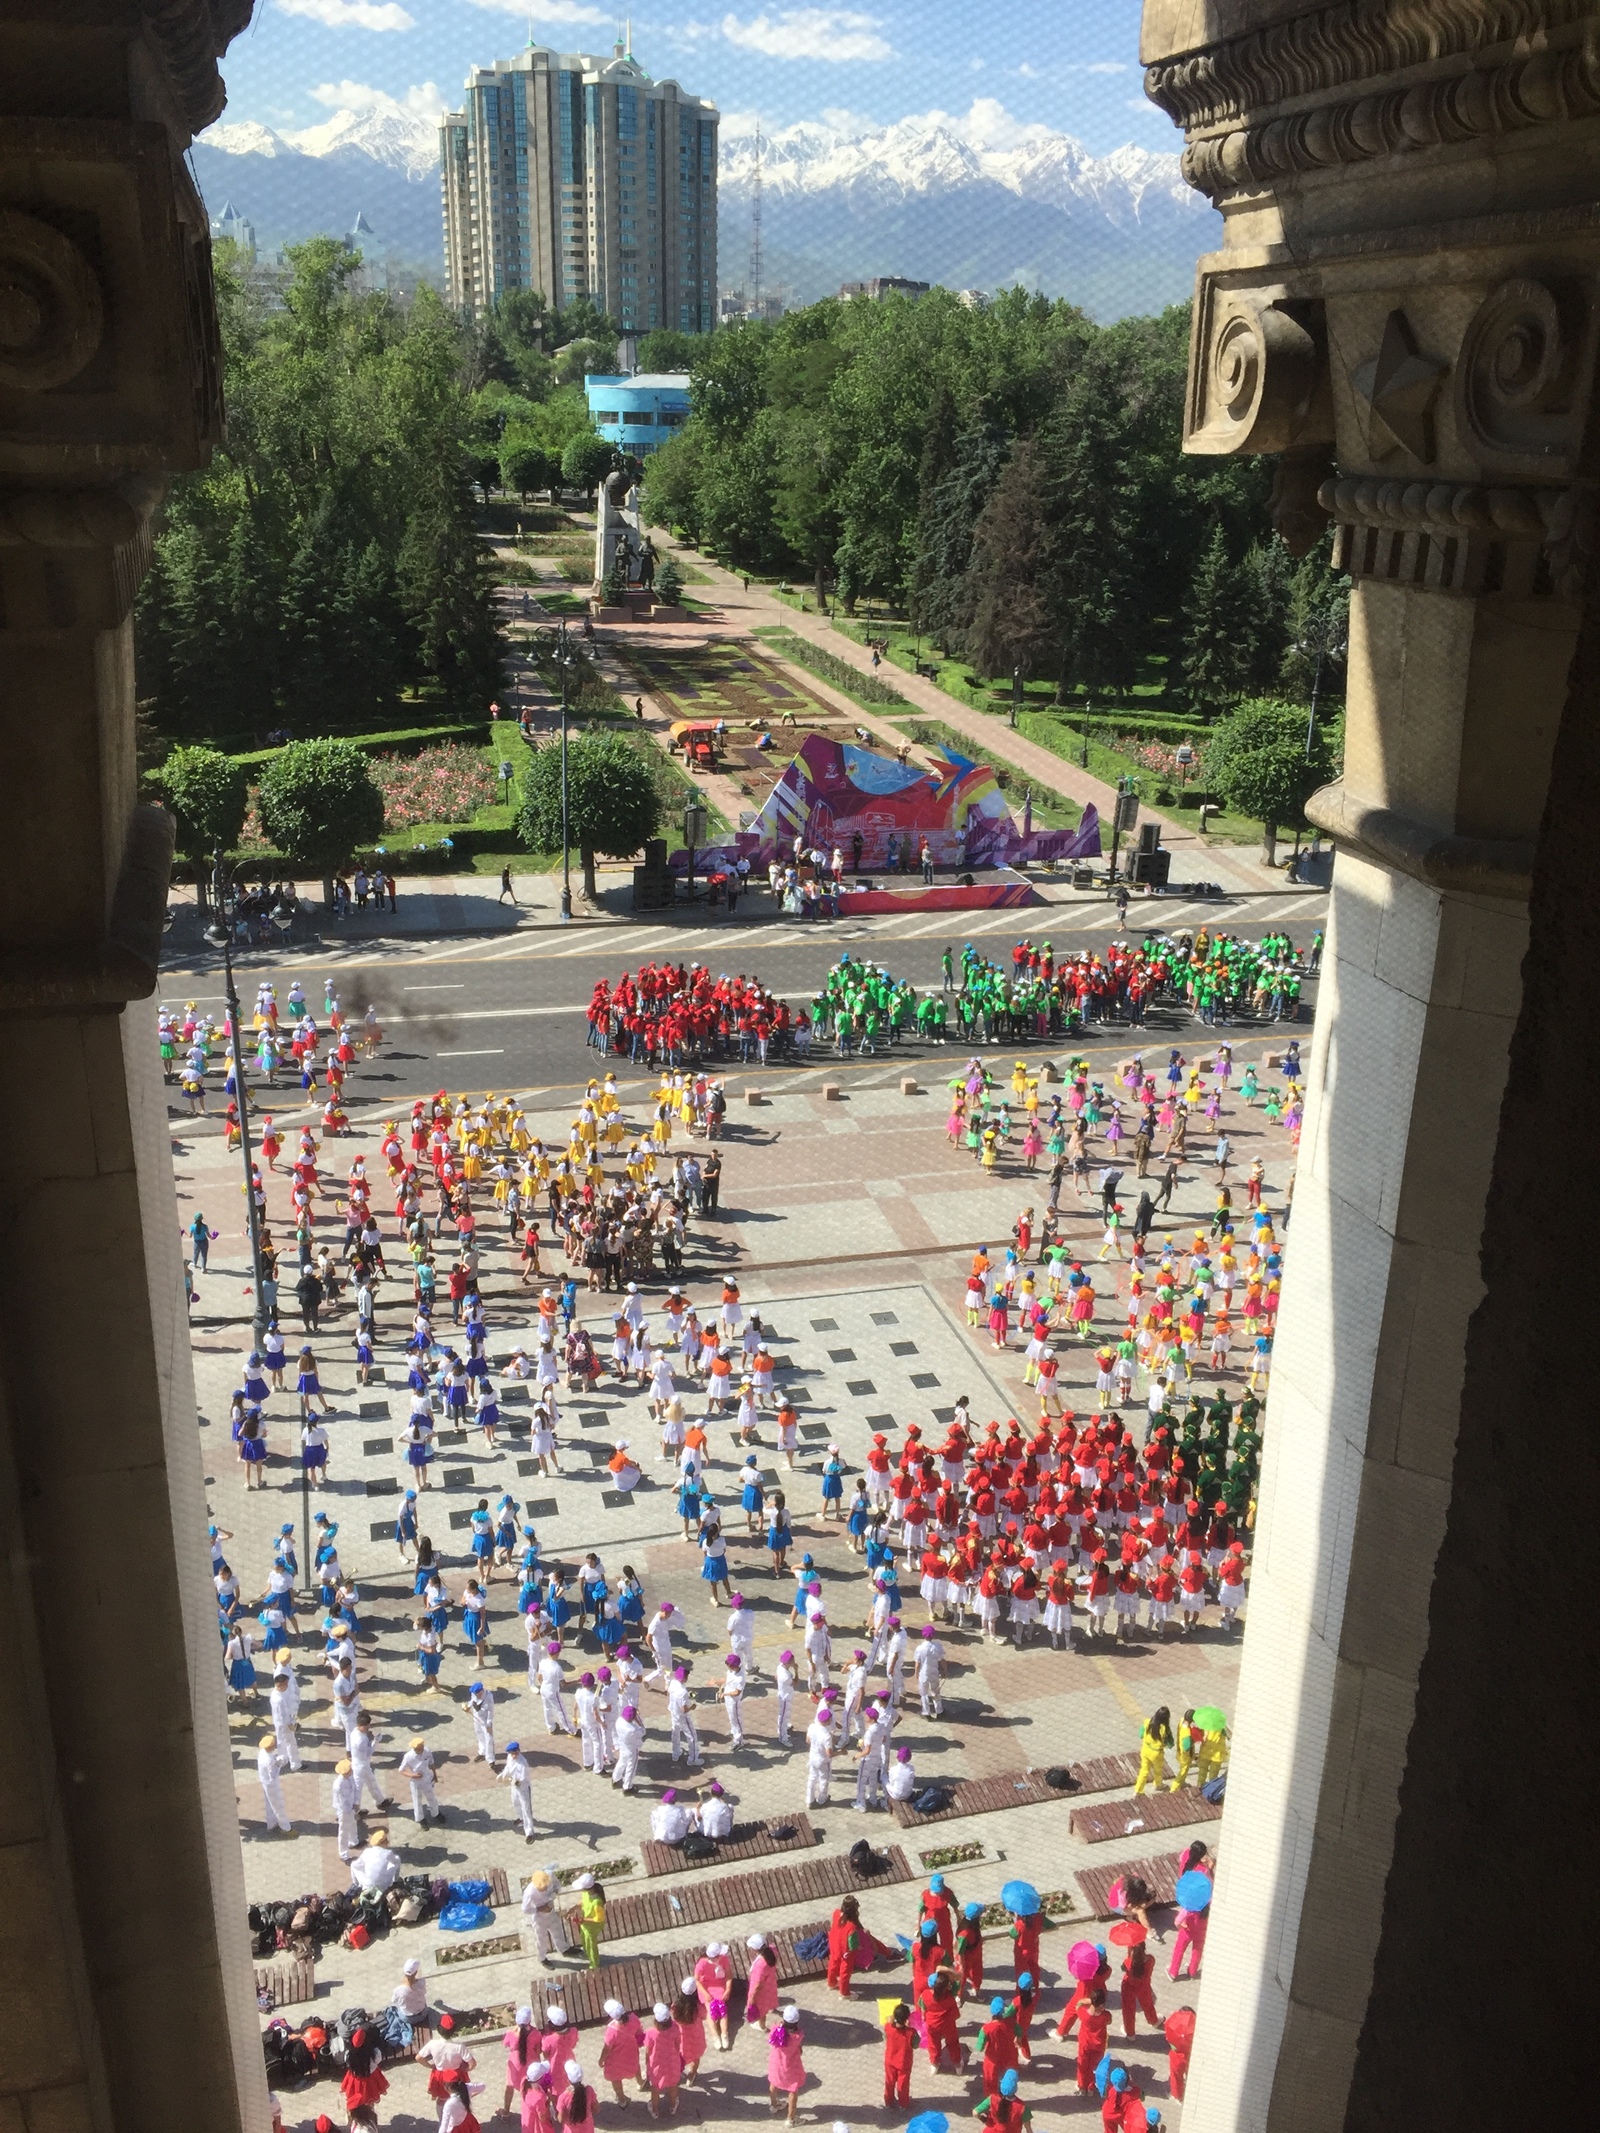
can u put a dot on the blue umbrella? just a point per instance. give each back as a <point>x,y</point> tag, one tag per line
<point>1194,1891</point>
<point>929,2122</point>
<point>1021,1898</point>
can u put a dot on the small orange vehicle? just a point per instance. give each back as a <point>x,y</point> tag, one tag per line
<point>699,739</point>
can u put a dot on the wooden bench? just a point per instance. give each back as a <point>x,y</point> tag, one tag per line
<point>1022,1788</point>
<point>749,1840</point>
<point>638,1981</point>
<point>289,1984</point>
<point>703,1902</point>
<point>1155,1810</point>
<point>1159,1875</point>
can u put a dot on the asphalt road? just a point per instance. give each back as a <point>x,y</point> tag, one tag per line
<point>506,1013</point>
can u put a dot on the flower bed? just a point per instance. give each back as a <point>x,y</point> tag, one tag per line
<point>602,1870</point>
<point>474,1951</point>
<point>944,1855</point>
<point>446,784</point>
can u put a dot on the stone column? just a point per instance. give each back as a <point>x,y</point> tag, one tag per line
<point>124,1961</point>
<point>1405,309</point>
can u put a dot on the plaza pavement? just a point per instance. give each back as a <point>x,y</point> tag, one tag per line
<point>849,1224</point>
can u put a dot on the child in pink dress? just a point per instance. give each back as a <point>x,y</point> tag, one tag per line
<point>761,1987</point>
<point>689,2026</point>
<point>713,1977</point>
<point>786,2072</point>
<point>620,2047</point>
<point>663,2061</point>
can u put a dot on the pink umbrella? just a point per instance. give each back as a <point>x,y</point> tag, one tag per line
<point>1083,1960</point>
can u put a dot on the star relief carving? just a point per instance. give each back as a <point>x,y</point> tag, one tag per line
<point>1398,391</point>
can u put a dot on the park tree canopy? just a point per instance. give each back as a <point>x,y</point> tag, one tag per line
<point>319,805</point>
<point>614,800</point>
<point>1260,763</point>
<point>326,560</point>
<point>1011,473</point>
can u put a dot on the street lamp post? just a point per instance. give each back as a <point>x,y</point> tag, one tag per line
<point>563,660</point>
<point>1324,638</point>
<point>220,934</point>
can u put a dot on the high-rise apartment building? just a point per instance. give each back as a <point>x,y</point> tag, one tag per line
<point>579,176</point>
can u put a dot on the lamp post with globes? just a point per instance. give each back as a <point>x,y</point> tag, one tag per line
<point>225,903</point>
<point>565,661</point>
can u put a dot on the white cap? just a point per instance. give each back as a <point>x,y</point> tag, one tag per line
<point>524,2014</point>
<point>756,1941</point>
<point>556,2017</point>
<point>791,2013</point>
<point>573,2071</point>
<point>716,1947</point>
<point>615,2009</point>
<point>413,1968</point>
<point>661,2011</point>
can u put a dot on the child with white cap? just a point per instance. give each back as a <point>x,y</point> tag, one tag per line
<point>539,1906</point>
<point>620,2050</point>
<point>786,2072</point>
<point>761,1985</point>
<point>410,1996</point>
<point>521,2041</point>
<point>689,2023</point>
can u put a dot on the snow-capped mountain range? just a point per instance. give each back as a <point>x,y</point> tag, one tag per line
<point>934,198</point>
<point>924,155</point>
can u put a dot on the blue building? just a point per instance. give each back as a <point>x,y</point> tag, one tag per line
<point>641,411</point>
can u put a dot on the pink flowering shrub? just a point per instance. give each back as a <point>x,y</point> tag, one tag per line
<point>446,784</point>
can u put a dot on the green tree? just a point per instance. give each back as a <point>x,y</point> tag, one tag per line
<point>319,805</point>
<point>526,464</point>
<point>207,793</point>
<point>670,493</point>
<point>668,349</point>
<point>1013,618</point>
<point>586,461</point>
<point>1221,644</point>
<point>669,583</point>
<point>614,802</point>
<point>1256,760</point>
<point>579,358</point>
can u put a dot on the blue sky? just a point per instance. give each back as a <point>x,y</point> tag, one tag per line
<point>1068,64</point>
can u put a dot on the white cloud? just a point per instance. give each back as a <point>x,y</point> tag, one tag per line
<point>351,14</point>
<point>837,34</point>
<point>986,123</point>
<point>425,100</point>
<point>1146,109</point>
<point>544,10</point>
<point>1102,66</point>
<point>839,118</point>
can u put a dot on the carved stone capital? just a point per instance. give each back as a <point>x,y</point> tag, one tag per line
<point>109,360</point>
<point>1258,371</point>
<point>1425,74</point>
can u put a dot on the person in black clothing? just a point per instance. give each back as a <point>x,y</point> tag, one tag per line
<point>308,1294</point>
<point>1144,1216</point>
<point>1169,1178</point>
<point>710,1181</point>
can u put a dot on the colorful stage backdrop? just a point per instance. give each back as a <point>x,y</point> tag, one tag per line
<point>832,792</point>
